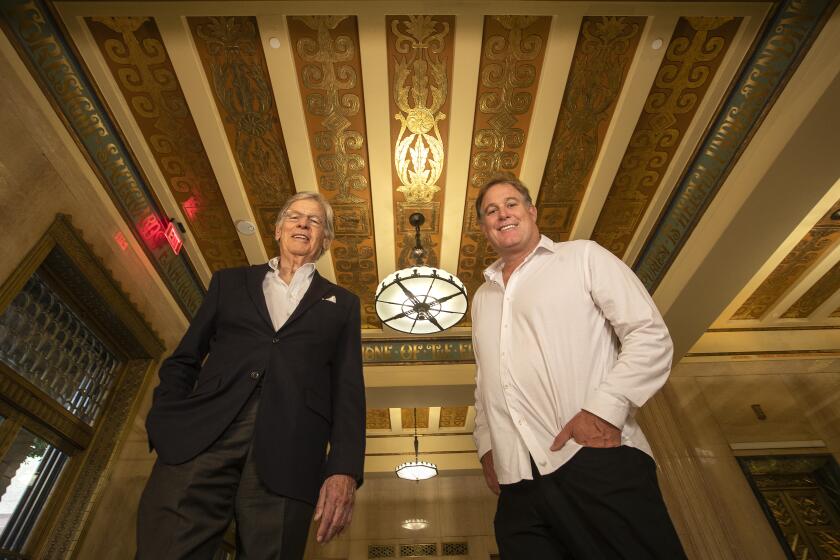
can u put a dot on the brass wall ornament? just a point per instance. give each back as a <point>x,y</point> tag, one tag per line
<point>602,58</point>
<point>234,62</point>
<point>511,61</point>
<point>691,61</point>
<point>329,70</point>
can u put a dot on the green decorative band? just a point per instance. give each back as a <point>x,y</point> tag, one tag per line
<point>785,41</point>
<point>429,351</point>
<point>31,28</point>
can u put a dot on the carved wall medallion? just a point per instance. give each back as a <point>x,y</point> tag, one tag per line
<point>603,54</point>
<point>691,61</point>
<point>420,55</point>
<point>68,88</point>
<point>785,41</point>
<point>134,51</point>
<point>512,54</point>
<point>329,77</point>
<point>233,59</point>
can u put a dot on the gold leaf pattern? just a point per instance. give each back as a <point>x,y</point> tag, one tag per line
<point>453,416</point>
<point>378,419</point>
<point>408,418</point>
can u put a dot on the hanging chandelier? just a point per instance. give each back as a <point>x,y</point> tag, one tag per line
<point>420,299</point>
<point>416,469</point>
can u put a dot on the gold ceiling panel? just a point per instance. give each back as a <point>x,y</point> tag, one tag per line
<point>807,252</point>
<point>818,294</point>
<point>378,419</point>
<point>453,416</point>
<point>512,54</point>
<point>233,59</point>
<point>695,53</point>
<point>420,52</point>
<point>134,52</point>
<point>408,418</point>
<point>602,57</point>
<point>330,79</point>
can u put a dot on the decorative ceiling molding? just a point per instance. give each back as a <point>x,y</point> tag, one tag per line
<point>802,257</point>
<point>453,416</point>
<point>233,60</point>
<point>63,80</point>
<point>602,58</point>
<point>329,76</point>
<point>420,54</point>
<point>816,295</point>
<point>695,53</point>
<point>512,54</point>
<point>408,418</point>
<point>786,38</point>
<point>378,419</point>
<point>134,52</point>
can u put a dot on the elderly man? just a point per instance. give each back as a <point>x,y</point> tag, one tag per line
<point>568,346</point>
<point>268,373</point>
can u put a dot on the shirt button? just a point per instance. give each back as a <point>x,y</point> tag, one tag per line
<point>542,463</point>
<point>255,375</point>
<point>275,340</point>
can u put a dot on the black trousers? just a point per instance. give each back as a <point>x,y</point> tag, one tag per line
<point>602,504</point>
<point>185,509</point>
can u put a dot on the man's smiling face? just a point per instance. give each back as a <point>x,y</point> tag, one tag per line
<point>508,222</point>
<point>300,232</point>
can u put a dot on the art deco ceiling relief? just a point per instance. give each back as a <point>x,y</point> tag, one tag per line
<point>625,124</point>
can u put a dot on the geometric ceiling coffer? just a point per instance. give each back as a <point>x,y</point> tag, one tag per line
<point>330,81</point>
<point>139,63</point>
<point>420,54</point>
<point>801,258</point>
<point>816,295</point>
<point>378,419</point>
<point>603,54</point>
<point>512,52</point>
<point>408,417</point>
<point>453,416</point>
<point>234,62</point>
<point>694,54</point>
<point>41,45</point>
<point>786,38</point>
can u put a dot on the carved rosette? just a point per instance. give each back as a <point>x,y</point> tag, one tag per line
<point>512,54</point>
<point>233,59</point>
<point>603,54</point>
<point>420,55</point>
<point>133,50</point>
<point>329,71</point>
<point>694,55</point>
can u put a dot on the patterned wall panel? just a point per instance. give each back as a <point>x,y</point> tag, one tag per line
<point>602,57</point>
<point>135,54</point>
<point>512,54</point>
<point>420,50</point>
<point>378,419</point>
<point>233,59</point>
<point>330,79</point>
<point>804,255</point>
<point>37,37</point>
<point>785,40</point>
<point>694,55</point>
<point>408,418</point>
<point>453,416</point>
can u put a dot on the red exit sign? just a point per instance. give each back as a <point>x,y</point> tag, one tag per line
<point>174,237</point>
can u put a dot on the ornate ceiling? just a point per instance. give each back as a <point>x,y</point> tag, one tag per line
<point>628,122</point>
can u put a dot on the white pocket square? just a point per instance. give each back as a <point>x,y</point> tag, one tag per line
<point>330,299</point>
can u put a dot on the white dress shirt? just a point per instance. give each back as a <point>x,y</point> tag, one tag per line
<point>573,329</point>
<point>282,299</point>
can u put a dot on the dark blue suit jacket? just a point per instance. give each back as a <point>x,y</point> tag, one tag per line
<point>311,372</point>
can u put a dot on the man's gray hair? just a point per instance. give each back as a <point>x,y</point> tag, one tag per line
<point>329,226</point>
<point>502,179</point>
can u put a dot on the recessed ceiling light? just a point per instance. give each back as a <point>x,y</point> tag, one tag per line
<point>656,44</point>
<point>245,227</point>
<point>274,42</point>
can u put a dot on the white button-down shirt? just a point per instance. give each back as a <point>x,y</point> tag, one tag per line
<point>282,299</point>
<point>573,329</point>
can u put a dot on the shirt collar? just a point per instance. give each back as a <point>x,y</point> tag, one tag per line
<point>493,273</point>
<point>302,274</point>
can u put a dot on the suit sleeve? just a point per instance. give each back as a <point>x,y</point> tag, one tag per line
<point>347,440</point>
<point>644,359</point>
<point>179,371</point>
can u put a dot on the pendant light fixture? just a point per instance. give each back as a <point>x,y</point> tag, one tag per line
<point>416,469</point>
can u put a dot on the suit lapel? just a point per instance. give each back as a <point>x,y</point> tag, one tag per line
<point>317,290</point>
<point>255,276</point>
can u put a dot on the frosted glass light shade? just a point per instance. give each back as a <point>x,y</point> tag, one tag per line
<point>421,300</point>
<point>417,470</point>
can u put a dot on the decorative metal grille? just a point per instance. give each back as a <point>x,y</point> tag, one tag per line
<point>46,343</point>
<point>381,551</point>
<point>415,550</point>
<point>454,549</point>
